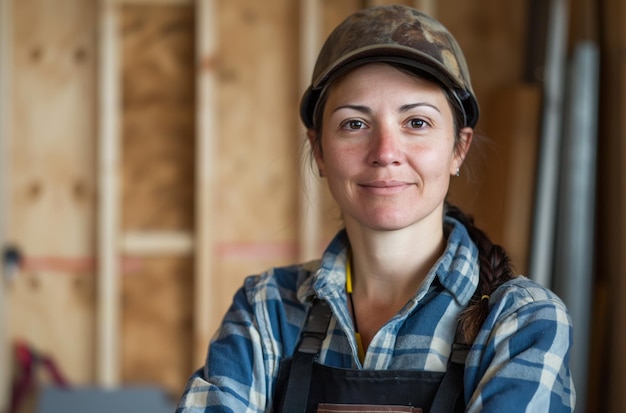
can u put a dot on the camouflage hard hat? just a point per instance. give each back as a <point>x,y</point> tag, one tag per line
<point>393,34</point>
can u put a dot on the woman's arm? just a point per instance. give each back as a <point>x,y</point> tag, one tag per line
<point>519,362</point>
<point>233,378</point>
<point>261,326</point>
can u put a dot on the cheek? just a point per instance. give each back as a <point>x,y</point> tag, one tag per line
<point>337,159</point>
<point>434,162</point>
<point>336,166</point>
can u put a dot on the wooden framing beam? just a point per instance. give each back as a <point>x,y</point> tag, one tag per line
<point>157,243</point>
<point>206,118</point>
<point>310,197</point>
<point>108,308</point>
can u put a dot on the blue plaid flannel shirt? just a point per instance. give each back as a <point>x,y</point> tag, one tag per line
<point>518,362</point>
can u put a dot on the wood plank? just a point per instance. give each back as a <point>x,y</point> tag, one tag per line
<point>159,243</point>
<point>309,201</point>
<point>108,315</point>
<point>205,318</point>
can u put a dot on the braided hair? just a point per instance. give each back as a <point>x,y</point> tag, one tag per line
<point>495,269</point>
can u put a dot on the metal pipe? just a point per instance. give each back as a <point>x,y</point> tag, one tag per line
<point>574,249</point>
<point>542,238</point>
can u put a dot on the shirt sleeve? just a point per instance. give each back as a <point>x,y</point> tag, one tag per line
<point>233,378</point>
<point>520,360</point>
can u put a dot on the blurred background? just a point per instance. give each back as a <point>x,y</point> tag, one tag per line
<point>151,156</point>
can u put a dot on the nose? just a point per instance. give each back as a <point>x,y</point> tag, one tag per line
<point>385,148</point>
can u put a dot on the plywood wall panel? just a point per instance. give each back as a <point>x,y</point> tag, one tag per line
<point>158,180</point>
<point>52,188</point>
<point>156,324</point>
<point>53,130</point>
<point>257,150</point>
<point>158,116</point>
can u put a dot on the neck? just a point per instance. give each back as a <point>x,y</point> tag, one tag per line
<point>389,266</point>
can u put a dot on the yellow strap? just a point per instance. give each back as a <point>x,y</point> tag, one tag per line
<point>357,335</point>
<point>349,275</point>
<point>359,346</point>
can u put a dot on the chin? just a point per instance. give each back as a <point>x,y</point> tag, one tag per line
<point>392,223</point>
<point>396,220</point>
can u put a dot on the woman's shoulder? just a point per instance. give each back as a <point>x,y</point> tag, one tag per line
<point>522,294</point>
<point>527,333</point>
<point>526,290</point>
<point>281,281</point>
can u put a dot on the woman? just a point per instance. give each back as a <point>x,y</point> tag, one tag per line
<point>411,306</point>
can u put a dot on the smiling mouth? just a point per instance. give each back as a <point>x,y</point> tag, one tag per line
<point>385,188</point>
<point>385,184</point>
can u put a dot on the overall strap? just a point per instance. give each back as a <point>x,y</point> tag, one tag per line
<point>450,395</point>
<point>311,338</point>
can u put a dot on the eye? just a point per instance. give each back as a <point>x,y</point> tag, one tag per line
<point>354,124</point>
<point>417,123</point>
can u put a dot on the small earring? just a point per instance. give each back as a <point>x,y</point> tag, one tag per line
<point>458,172</point>
<point>320,173</point>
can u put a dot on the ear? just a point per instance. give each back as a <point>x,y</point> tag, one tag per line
<point>316,148</point>
<point>461,148</point>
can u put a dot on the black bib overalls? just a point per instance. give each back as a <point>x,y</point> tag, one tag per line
<point>303,385</point>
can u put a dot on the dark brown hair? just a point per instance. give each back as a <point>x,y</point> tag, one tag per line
<point>495,269</point>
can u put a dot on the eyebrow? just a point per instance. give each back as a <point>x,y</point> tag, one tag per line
<point>410,106</point>
<point>358,108</point>
<point>403,108</point>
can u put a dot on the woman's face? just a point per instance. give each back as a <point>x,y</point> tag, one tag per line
<point>388,148</point>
